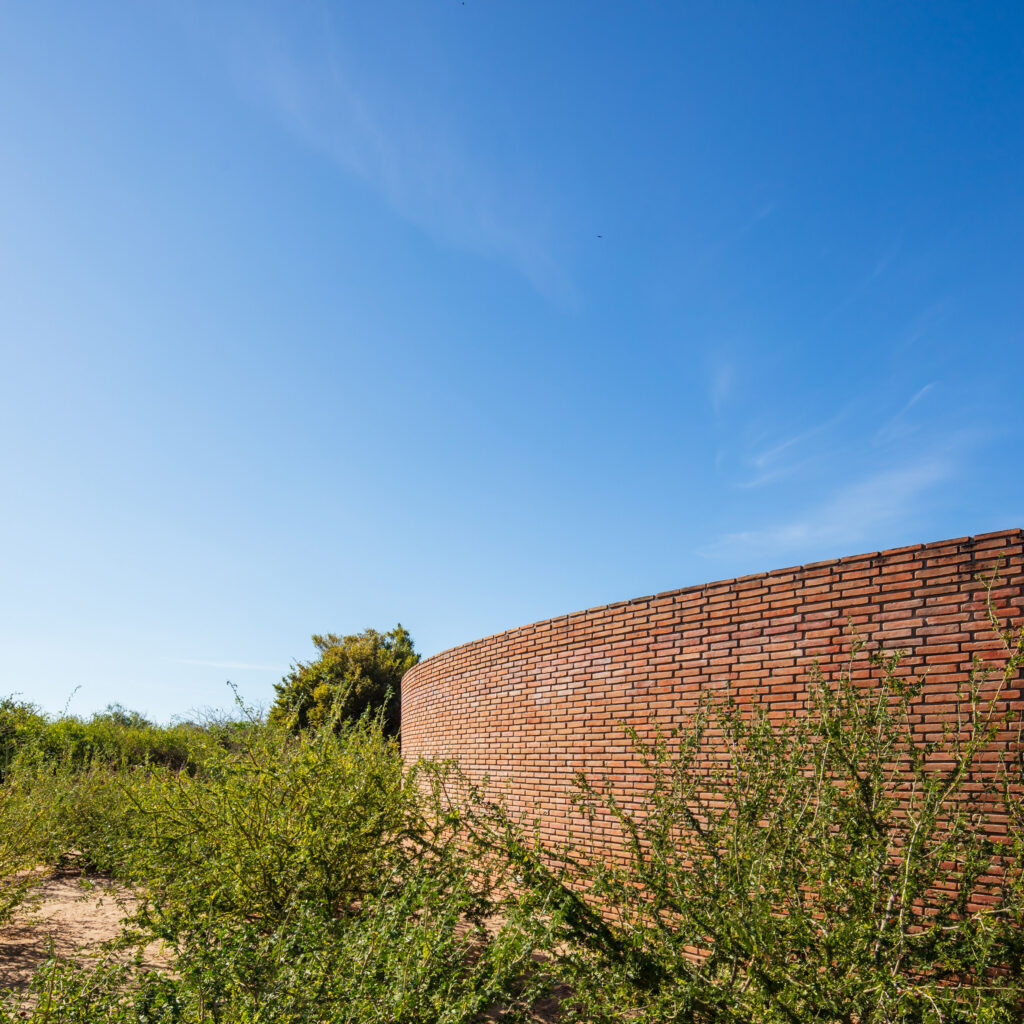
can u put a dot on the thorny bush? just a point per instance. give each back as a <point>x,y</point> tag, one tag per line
<point>836,866</point>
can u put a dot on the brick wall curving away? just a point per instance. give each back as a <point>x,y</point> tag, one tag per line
<point>532,706</point>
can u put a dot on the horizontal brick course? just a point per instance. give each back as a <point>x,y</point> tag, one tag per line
<point>532,706</point>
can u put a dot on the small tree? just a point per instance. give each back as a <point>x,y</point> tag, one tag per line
<point>353,674</point>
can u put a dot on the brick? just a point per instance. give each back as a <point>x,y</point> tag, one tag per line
<point>533,705</point>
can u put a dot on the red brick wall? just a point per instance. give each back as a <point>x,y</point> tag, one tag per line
<point>534,705</point>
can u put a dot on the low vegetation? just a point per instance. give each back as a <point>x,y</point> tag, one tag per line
<point>836,867</point>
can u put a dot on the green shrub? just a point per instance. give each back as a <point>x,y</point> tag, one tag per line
<point>114,736</point>
<point>22,815</point>
<point>280,822</point>
<point>68,778</point>
<point>85,822</point>
<point>111,740</point>
<point>303,879</point>
<point>352,675</point>
<point>834,867</point>
<point>21,723</point>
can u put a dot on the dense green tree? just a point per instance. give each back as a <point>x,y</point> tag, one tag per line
<point>352,674</point>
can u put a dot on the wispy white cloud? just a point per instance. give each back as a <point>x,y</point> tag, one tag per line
<point>850,514</point>
<point>897,426</point>
<point>802,450</point>
<point>916,397</point>
<point>238,666</point>
<point>408,152</point>
<point>785,458</point>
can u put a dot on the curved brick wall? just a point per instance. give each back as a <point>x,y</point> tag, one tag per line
<point>534,705</point>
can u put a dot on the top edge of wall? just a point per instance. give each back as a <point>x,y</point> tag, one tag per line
<point>967,541</point>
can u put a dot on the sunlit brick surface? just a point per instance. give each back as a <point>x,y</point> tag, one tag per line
<point>533,706</point>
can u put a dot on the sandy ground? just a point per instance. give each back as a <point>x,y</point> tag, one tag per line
<point>74,914</point>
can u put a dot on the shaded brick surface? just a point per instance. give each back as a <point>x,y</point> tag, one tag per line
<point>532,706</point>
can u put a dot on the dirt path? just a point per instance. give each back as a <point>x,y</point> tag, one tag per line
<point>74,913</point>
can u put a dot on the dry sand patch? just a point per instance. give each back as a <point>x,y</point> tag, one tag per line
<point>72,915</point>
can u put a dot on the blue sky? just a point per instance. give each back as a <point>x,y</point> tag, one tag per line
<point>321,316</point>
